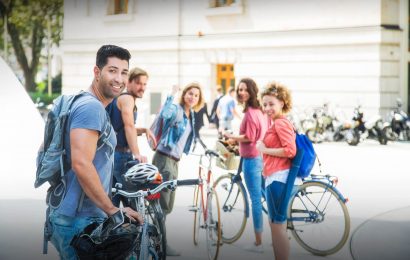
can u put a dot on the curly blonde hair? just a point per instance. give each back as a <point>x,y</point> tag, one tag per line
<point>201,100</point>
<point>281,92</point>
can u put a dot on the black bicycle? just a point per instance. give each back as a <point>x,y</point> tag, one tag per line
<point>151,239</point>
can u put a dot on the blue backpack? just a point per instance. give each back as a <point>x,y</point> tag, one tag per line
<point>309,155</point>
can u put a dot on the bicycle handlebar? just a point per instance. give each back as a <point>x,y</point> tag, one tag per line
<point>188,182</point>
<point>168,184</point>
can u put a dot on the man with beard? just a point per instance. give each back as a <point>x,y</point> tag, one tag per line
<point>123,115</point>
<point>88,181</point>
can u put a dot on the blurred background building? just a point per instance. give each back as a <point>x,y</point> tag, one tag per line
<point>344,52</point>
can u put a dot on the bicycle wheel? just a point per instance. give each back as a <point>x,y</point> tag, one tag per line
<point>318,219</point>
<point>197,213</point>
<point>233,208</point>
<point>213,229</point>
<point>157,235</point>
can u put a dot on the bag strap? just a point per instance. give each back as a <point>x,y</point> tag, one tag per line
<point>296,132</point>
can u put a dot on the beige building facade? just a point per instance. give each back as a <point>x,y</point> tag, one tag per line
<point>345,52</point>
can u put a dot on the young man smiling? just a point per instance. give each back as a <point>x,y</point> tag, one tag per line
<point>88,181</point>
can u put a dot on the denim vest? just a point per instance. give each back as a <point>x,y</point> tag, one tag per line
<point>174,124</point>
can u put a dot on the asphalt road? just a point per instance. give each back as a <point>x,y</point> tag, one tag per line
<point>375,179</point>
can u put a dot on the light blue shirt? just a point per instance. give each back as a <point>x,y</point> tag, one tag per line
<point>88,113</point>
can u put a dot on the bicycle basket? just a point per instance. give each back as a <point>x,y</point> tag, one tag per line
<point>232,160</point>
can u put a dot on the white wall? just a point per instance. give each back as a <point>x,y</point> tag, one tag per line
<point>324,50</point>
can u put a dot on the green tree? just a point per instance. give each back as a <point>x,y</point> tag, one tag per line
<point>27,25</point>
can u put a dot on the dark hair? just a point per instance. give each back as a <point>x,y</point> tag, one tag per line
<point>252,89</point>
<point>107,51</point>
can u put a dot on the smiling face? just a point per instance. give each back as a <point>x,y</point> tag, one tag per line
<point>191,97</point>
<point>111,79</point>
<point>243,94</point>
<point>272,106</point>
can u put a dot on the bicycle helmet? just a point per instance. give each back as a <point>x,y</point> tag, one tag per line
<point>143,173</point>
<point>115,238</point>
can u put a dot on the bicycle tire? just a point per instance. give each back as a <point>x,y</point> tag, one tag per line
<point>156,233</point>
<point>197,215</point>
<point>157,218</point>
<point>213,228</point>
<point>233,208</point>
<point>325,227</point>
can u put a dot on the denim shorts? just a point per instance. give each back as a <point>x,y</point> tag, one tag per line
<point>274,196</point>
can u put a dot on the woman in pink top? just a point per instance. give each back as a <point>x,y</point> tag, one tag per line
<point>252,129</point>
<point>278,148</point>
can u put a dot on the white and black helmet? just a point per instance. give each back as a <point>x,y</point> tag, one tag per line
<point>142,173</point>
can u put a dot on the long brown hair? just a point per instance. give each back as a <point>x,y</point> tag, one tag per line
<point>252,89</point>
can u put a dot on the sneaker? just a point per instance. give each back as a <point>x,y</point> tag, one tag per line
<point>255,248</point>
<point>172,252</point>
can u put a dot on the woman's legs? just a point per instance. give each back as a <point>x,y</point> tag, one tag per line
<point>280,241</point>
<point>252,169</point>
<point>277,221</point>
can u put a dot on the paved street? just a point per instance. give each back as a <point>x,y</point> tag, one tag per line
<point>375,179</point>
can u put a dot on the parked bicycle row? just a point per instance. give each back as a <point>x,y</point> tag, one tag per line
<point>321,124</point>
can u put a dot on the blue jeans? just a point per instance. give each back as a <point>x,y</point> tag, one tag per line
<point>274,197</point>
<point>252,171</point>
<point>64,229</point>
<point>120,160</point>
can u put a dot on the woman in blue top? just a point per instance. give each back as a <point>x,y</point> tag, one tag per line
<point>177,135</point>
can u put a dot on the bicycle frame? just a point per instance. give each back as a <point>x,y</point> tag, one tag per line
<point>207,181</point>
<point>140,196</point>
<point>236,178</point>
<point>330,184</point>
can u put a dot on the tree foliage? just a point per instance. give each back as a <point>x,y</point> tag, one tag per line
<point>27,25</point>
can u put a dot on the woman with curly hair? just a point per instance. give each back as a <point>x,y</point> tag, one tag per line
<point>278,148</point>
<point>252,129</point>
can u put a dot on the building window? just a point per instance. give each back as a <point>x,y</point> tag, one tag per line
<point>221,3</point>
<point>116,7</point>
<point>120,6</point>
<point>224,7</point>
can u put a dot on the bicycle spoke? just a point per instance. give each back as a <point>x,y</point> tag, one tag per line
<point>319,220</point>
<point>233,210</point>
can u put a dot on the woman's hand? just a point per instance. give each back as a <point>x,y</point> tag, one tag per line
<point>150,137</point>
<point>175,89</point>
<point>260,146</point>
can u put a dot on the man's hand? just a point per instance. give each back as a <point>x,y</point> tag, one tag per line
<point>141,158</point>
<point>150,137</point>
<point>133,215</point>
